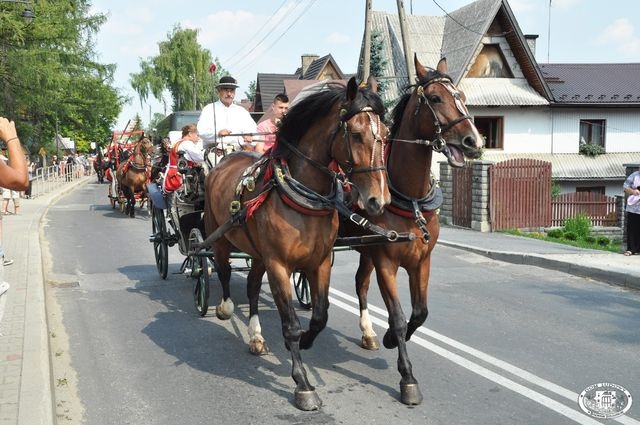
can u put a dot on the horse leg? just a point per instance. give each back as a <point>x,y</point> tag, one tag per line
<point>257,344</point>
<point>418,284</point>
<point>224,310</point>
<point>305,395</point>
<point>396,334</point>
<point>318,280</point>
<point>369,339</point>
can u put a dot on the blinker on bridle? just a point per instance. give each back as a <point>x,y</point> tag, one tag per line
<point>375,125</point>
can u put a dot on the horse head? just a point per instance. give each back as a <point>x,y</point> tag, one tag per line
<point>445,116</point>
<point>143,146</point>
<point>361,155</point>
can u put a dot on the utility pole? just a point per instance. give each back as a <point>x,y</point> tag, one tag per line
<point>366,58</point>
<point>406,44</point>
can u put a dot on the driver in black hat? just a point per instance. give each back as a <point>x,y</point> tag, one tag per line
<point>224,117</point>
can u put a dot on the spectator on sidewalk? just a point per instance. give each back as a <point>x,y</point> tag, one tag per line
<point>13,195</point>
<point>631,187</point>
<point>13,173</point>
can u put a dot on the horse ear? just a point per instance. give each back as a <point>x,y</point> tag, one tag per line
<point>352,89</point>
<point>372,83</point>
<point>442,67</point>
<point>421,72</point>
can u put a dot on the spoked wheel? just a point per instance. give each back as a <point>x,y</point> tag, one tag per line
<point>201,286</point>
<point>301,285</point>
<point>112,200</point>
<point>160,247</point>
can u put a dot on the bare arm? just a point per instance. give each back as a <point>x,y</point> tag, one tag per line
<point>14,174</point>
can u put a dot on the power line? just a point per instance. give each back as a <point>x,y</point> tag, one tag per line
<point>267,21</point>
<point>254,59</point>
<point>256,45</point>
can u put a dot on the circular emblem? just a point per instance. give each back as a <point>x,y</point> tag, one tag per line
<point>605,400</point>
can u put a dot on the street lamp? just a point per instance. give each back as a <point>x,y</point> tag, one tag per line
<point>27,13</point>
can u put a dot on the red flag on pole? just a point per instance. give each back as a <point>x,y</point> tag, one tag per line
<point>212,68</point>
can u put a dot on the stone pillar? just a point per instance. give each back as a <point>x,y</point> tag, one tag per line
<point>480,219</point>
<point>446,184</point>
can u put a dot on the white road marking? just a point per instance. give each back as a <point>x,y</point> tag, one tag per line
<point>570,412</point>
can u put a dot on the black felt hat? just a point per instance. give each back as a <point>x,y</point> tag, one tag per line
<point>228,82</point>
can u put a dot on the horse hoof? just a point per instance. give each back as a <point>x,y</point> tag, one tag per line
<point>410,394</point>
<point>258,347</point>
<point>307,400</point>
<point>221,314</point>
<point>370,343</point>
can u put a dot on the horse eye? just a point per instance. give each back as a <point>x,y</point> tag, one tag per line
<point>357,137</point>
<point>435,99</point>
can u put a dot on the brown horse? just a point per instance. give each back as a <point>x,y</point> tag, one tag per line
<point>99,166</point>
<point>432,116</point>
<point>295,225</point>
<point>133,174</point>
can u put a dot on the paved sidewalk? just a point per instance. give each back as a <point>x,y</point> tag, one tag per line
<point>25,373</point>
<point>25,376</point>
<point>600,265</point>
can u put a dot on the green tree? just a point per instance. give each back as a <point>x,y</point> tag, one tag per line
<point>50,77</point>
<point>378,61</point>
<point>251,94</point>
<point>181,69</point>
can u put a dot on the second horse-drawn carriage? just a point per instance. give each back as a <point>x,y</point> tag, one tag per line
<point>333,166</point>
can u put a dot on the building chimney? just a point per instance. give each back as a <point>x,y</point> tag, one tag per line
<point>531,41</point>
<point>307,60</point>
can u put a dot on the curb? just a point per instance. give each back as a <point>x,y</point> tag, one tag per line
<point>538,260</point>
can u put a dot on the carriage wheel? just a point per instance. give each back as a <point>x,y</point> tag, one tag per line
<point>201,286</point>
<point>301,285</point>
<point>160,248</point>
<point>112,200</point>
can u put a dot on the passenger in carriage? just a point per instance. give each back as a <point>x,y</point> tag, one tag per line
<point>225,117</point>
<point>279,108</point>
<point>192,150</point>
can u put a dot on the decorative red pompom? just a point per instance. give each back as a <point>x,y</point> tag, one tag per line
<point>212,68</point>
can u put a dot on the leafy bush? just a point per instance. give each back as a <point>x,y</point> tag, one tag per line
<point>591,149</point>
<point>590,239</point>
<point>603,241</point>
<point>571,236</point>
<point>580,225</point>
<point>555,233</point>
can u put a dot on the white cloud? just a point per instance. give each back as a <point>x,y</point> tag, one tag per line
<point>337,38</point>
<point>621,35</point>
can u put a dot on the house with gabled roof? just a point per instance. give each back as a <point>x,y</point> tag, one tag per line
<point>521,107</point>
<point>313,69</point>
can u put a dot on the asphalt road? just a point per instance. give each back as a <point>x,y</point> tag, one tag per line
<point>503,344</point>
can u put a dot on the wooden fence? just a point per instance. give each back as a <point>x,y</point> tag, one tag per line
<point>600,208</point>
<point>520,194</point>
<point>462,199</point>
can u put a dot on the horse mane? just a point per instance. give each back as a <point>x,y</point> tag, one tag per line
<point>305,113</point>
<point>400,107</point>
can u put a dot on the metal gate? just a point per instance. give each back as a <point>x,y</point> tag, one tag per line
<point>462,179</point>
<point>520,194</point>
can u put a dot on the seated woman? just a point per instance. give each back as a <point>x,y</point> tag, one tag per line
<point>189,147</point>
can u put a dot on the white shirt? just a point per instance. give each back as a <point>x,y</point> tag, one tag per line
<point>233,118</point>
<point>192,151</point>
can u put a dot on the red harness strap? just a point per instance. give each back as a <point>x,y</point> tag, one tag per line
<point>409,214</point>
<point>307,211</point>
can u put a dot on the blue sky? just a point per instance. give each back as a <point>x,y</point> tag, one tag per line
<point>270,35</point>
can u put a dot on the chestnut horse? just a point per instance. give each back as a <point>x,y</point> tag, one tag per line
<point>293,223</point>
<point>432,116</point>
<point>133,174</point>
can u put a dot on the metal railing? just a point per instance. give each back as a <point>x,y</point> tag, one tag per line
<point>47,179</point>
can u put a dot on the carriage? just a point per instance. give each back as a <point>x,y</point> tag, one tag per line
<point>121,146</point>
<point>282,210</point>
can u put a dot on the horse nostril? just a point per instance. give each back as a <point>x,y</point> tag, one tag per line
<point>470,143</point>
<point>374,206</point>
